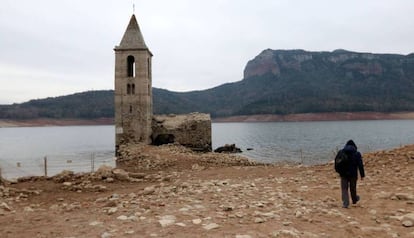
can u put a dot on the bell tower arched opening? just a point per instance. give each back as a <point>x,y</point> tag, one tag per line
<point>131,66</point>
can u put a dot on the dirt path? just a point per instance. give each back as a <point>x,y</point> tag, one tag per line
<point>177,193</point>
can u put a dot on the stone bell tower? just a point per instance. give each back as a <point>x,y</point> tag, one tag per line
<point>133,88</point>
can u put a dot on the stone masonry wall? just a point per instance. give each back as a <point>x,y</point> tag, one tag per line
<point>191,130</point>
<point>133,111</point>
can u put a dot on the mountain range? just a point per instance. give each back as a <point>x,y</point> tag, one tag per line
<point>275,82</point>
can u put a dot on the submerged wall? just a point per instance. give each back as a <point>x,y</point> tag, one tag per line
<point>191,130</point>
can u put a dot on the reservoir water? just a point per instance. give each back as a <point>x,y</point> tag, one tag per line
<point>311,142</point>
<point>84,148</point>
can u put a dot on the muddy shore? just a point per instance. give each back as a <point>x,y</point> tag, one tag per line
<point>55,122</point>
<point>335,116</point>
<point>169,191</point>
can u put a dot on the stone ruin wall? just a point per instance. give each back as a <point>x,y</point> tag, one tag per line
<point>191,130</point>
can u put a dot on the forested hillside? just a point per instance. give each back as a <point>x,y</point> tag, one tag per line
<point>275,82</point>
<point>86,105</point>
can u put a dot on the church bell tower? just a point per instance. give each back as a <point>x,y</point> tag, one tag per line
<point>133,88</point>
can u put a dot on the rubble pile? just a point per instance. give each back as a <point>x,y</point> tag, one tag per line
<point>143,158</point>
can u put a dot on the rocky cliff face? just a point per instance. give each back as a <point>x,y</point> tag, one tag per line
<point>262,64</point>
<point>274,62</point>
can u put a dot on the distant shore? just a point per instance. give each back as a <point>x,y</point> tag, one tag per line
<point>55,122</point>
<point>328,116</point>
<point>332,116</point>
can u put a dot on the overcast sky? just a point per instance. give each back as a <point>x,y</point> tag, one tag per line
<point>57,47</point>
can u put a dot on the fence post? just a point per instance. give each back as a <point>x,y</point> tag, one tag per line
<point>45,163</point>
<point>301,156</point>
<point>92,162</point>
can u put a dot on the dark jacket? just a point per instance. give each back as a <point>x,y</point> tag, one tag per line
<point>355,162</point>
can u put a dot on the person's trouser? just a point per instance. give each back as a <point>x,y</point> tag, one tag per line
<point>348,183</point>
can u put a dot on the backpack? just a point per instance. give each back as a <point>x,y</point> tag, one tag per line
<point>341,162</point>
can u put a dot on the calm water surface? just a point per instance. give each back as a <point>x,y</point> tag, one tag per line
<point>311,142</point>
<point>77,148</point>
<point>85,148</point>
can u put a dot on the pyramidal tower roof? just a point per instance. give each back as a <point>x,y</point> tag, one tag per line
<point>132,38</point>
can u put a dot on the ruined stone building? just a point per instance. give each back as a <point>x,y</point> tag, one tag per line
<point>134,121</point>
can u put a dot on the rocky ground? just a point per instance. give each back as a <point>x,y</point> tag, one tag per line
<point>169,191</point>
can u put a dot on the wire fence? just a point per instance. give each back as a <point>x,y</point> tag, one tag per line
<point>50,165</point>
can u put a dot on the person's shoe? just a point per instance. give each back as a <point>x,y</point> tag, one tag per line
<point>344,206</point>
<point>357,199</point>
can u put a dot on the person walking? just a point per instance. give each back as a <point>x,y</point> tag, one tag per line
<point>347,163</point>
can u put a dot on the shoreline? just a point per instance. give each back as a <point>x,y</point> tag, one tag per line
<point>173,192</point>
<point>300,117</point>
<point>41,122</point>
<point>325,116</point>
